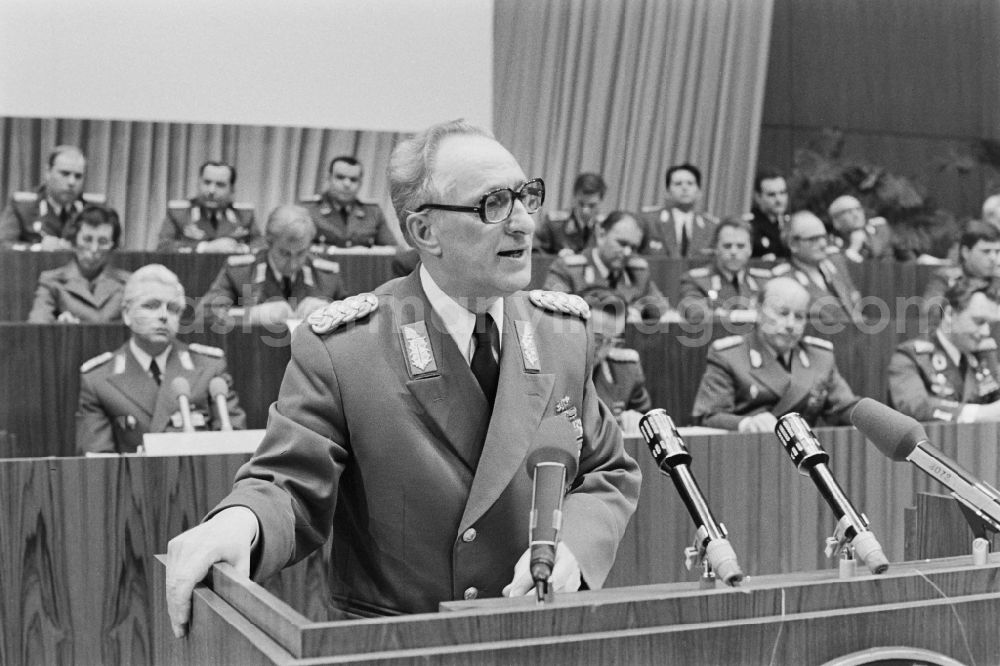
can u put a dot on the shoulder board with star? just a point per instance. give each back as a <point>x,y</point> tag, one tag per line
<point>723,344</point>
<point>988,344</point>
<point>818,342</point>
<point>575,260</point>
<point>240,259</point>
<point>651,209</point>
<point>94,198</point>
<point>206,350</point>
<point>336,314</point>
<point>96,362</point>
<point>558,215</point>
<point>557,301</point>
<point>623,355</point>
<point>921,346</point>
<point>242,205</point>
<point>700,273</point>
<point>781,269</point>
<point>325,265</point>
<point>311,199</point>
<point>764,273</point>
<point>637,264</point>
<point>178,204</point>
<point>25,197</point>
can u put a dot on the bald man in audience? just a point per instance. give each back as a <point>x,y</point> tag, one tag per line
<point>858,236</point>
<point>821,269</point>
<point>43,219</point>
<point>753,379</point>
<point>129,392</point>
<point>280,282</point>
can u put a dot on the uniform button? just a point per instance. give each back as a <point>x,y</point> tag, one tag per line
<point>469,535</point>
<point>471,593</point>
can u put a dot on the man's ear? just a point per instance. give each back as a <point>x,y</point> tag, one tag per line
<point>423,234</point>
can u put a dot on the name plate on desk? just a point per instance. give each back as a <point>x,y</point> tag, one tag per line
<point>201,443</point>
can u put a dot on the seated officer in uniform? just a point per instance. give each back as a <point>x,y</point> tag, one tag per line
<point>611,264</point>
<point>572,231</point>
<point>281,282</point>
<point>858,236</point>
<point>769,215</point>
<point>952,374</point>
<point>978,261</point>
<point>752,380</point>
<point>126,393</point>
<point>210,221</point>
<point>341,219</point>
<point>43,219</point>
<point>821,269</point>
<point>618,374</point>
<point>728,284</point>
<point>678,229</point>
<point>88,289</point>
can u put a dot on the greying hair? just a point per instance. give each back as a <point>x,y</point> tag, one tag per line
<point>289,221</point>
<point>412,164</point>
<point>150,273</point>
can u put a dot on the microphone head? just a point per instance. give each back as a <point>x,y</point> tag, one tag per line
<point>895,434</point>
<point>555,442</point>
<point>181,387</point>
<point>216,387</point>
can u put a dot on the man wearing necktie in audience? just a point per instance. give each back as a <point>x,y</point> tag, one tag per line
<point>770,215</point>
<point>426,395</point>
<point>210,221</point>
<point>281,282</point>
<point>342,220</point>
<point>127,393</point>
<point>678,229</point>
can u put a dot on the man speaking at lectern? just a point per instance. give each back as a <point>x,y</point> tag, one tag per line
<point>405,416</point>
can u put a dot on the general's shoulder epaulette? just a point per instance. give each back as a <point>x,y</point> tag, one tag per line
<point>338,313</point>
<point>25,197</point>
<point>818,342</point>
<point>206,350</point>
<point>557,301</point>
<point>178,204</point>
<point>758,272</point>
<point>242,205</point>
<point>922,346</point>
<point>637,264</point>
<point>623,355</point>
<point>723,344</point>
<point>312,198</point>
<point>325,265</point>
<point>94,198</point>
<point>96,362</point>
<point>651,209</point>
<point>987,344</point>
<point>832,249</point>
<point>781,269</point>
<point>574,260</point>
<point>240,259</point>
<point>700,272</point>
<point>558,215</point>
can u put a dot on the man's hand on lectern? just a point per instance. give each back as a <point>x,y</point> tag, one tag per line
<point>565,573</point>
<point>227,537</point>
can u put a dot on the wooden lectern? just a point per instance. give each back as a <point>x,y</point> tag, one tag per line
<point>939,607</point>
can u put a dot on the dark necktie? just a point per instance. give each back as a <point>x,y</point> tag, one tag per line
<point>213,218</point>
<point>684,239</point>
<point>154,369</point>
<point>484,364</point>
<point>286,287</point>
<point>64,216</point>
<point>736,284</point>
<point>786,361</point>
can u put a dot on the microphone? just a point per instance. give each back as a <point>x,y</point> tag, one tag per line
<point>218,388</point>
<point>673,459</point>
<point>551,465</point>
<point>182,389</point>
<point>810,459</point>
<point>901,437</point>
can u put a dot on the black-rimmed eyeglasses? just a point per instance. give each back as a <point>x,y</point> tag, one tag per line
<point>497,205</point>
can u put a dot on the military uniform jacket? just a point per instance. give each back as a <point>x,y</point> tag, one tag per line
<point>29,216</point>
<point>63,289</point>
<point>188,224</point>
<point>246,281</point>
<point>561,229</point>
<point>705,290</point>
<point>743,377</point>
<point>840,302</point>
<point>620,383</point>
<point>382,436</point>
<point>767,236</point>
<point>660,226</point>
<point>878,240</point>
<point>120,401</point>
<point>926,384</point>
<point>361,225</point>
<point>578,272</point>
